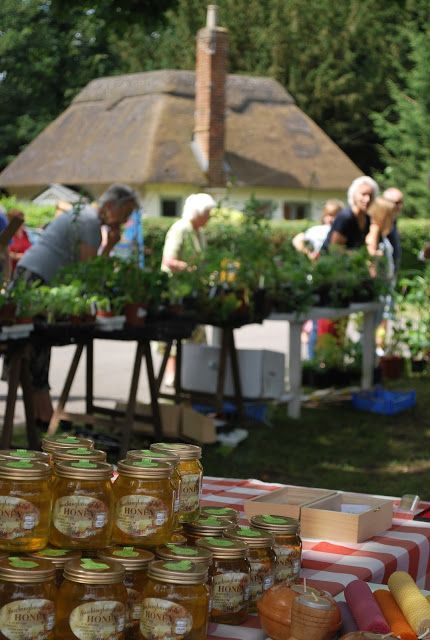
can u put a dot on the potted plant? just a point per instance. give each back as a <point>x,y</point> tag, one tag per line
<point>7,309</point>
<point>414,306</point>
<point>69,303</point>
<point>29,299</point>
<point>335,363</point>
<point>392,363</point>
<point>333,280</point>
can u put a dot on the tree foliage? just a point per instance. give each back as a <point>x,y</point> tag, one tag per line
<point>404,127</point>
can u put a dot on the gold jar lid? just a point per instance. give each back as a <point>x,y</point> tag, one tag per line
<point>28,570</point>
<point>226,513</point>
<point>224,548</point>
<point>79,453</point>
<point>58,557</point>
<point>178,572</point>
<point>24,454</point>
<point>166,456</point>
<point>183,451</point>
<point>131,558</point>
<point>171,551</point>
<point>62,441</point>
<point>276,524</point>
<point>84,469</point>
<point>145,469</point>
<point>24,470</point>
<point>208,526</point>
<point>254,538</point>
<point>94,571</point>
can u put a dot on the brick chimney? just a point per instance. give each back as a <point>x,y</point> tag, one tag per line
<point>211,72</point>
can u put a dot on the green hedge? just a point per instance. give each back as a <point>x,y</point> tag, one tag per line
<point>36,215</point>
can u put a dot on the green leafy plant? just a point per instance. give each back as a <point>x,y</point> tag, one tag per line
<point>68,300</point>
<point>30,299</point>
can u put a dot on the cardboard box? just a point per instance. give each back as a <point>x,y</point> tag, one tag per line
<point>177,420</point>
<point>325,519</point>
<point>170,415</point>
<point>197,426</point>
<point>261,371</point>
<point>287,501</point>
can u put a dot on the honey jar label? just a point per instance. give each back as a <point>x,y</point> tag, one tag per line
<point>31,618</point>
<point>261,578</point>
<point>191,484</point>
<point>102,619</point>
<point>162,619</point>
<point>230,591</point>
<point>17,517</point>
<point>287,563</point>
<point>79,516</point>
<point>134,607</point>
<point>140,515</point>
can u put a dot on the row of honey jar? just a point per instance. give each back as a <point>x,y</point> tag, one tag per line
<point>123,593</point>
<point>65,495</point>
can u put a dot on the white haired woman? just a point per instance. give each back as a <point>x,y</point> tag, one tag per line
<point>186,237</point>
<point>187,232</point>
<point>352,224</point>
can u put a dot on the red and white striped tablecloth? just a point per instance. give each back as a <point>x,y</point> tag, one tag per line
<point>326,565</point>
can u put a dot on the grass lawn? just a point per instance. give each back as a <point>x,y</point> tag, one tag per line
<point>332,446</point>
<point>337,447</point>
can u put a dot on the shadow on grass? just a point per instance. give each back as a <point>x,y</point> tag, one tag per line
<point>337,447</point>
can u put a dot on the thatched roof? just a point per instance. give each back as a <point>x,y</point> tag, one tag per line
<point>137,129</point>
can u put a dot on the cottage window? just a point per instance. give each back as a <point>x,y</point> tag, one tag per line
<point>296,210</point>
<point>171,207</point>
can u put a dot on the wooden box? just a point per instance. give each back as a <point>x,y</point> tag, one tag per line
<point>284,502</point>
<point>325,519</point>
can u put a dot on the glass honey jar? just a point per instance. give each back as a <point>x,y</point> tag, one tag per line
<point>178,536</point>
<point>229,578</point>
<point>226,513</point>
<point>143,503</point>
<point>79,453</point>
<point>175,601</point>
<point>82,509</point>
<point>164,456</point>
<point>25,454</point>
<point>197,555</point>
<point>58,557</point>
<point>92,601</point>
<point>288,544</point>
<point>25,505</point>
<point>191,472</point>
<point>262,560</point>
<point>135,562</point>
<point>50,444</point>
<point>206,527</point>
<point>27,599</point>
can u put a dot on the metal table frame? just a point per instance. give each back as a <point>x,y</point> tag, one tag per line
<point>84,339</point>
<point>295,321</point>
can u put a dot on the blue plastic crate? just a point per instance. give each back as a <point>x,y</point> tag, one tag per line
<point>385,402</point>
<point>254,410</point>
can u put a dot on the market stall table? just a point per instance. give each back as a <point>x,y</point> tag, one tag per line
<point>18,352</point>
<point>295,322</point>
<point>330,566</point>
<point>84,336</point>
